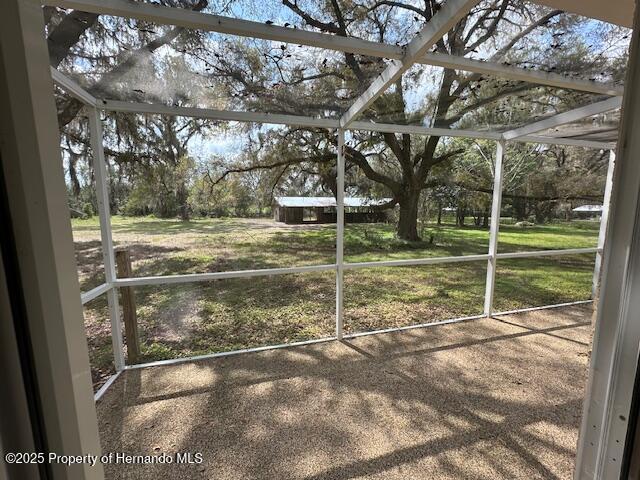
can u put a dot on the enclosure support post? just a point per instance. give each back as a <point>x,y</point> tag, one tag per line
<point>102,193</point>
<point>496,205</point>
<point>340,236</point>
<point>604,220</point>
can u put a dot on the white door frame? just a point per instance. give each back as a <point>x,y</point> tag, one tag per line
<point>614,358</point>
<point>40,224</point>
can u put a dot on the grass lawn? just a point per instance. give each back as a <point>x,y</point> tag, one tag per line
<point>191,319</point>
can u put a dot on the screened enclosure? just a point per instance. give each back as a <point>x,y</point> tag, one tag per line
<point>380,111</point>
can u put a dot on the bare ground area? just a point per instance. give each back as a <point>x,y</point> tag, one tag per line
<point>495,398</point>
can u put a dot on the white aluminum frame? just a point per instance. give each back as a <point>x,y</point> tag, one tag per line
<point>81,94</point>
<point>434,30</point>
<point>496,208</point>
<point>510,72</point>
<point>164,15</point>
<point>564,118</point>
<point>73,88</point>
<point>108,258</point>
<point>340,235</point>
<point>303,121</point>
<point>604,222</point>
<point>402,58</point>
<point>94,293</point>
<point>105,386</point>
<point>112,282</point>
<point>572,142</point>
<point>544,307</point>
<point>548,253</point>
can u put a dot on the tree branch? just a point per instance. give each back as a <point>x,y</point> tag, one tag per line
<point>67,33</point>
<point>317,159</point>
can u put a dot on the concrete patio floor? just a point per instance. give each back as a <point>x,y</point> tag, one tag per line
<point>485,399</point>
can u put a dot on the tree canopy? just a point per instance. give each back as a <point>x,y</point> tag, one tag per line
<point>154,167</point>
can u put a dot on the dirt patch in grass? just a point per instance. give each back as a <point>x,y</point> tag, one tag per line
<point>179,319</point>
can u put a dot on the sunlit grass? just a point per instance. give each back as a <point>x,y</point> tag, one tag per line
<point>192,319</point>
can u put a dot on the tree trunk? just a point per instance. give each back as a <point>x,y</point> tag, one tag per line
<point>408,222</point>
<point>183,207</point>
<point>73,175</point>
<point>539,216</point>
<point>519,209</point>
<point>460,214</point>
<point>485,219</point>
<point>439,214</point>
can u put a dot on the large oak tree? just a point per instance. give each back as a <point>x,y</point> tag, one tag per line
<point>228,72</point>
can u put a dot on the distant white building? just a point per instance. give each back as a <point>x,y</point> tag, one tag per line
<point>323,209</point>
<point>588,211</point>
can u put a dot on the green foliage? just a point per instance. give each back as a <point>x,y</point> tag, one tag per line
<point>88,210</point>
<point>161,190</point>
<point>177,66</point>
<point>239,196</point>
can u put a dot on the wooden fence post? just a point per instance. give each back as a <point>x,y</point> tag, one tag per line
<point>123,262</point>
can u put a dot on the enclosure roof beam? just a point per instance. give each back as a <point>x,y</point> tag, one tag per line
<point>572,142</point>
<point>434,30</point>
<point>183,17</point>
<point>72,88</point>
<point>299,120</point>
<point>421,130</point>
<point>214,23</point>
<point>223,115</point>
<point>281,119</point>
<point>511,72</point>
<point>564,118</point>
